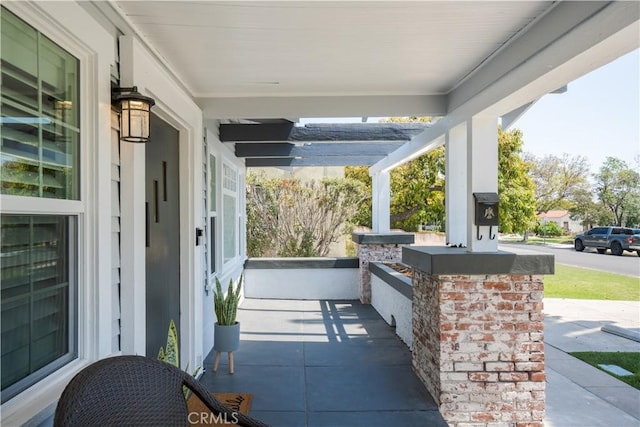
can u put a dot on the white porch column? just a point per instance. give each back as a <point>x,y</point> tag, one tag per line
<point>133,273</point>
<point>381,202</point>
<point>456,185</point>
<point>482,176</point>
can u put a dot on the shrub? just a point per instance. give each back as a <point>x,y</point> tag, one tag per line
<point>549,229</point>
<point>291,218</point>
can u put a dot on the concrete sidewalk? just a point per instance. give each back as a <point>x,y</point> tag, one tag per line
<point>579,395</point>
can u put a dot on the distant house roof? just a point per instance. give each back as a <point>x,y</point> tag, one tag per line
<point>554,214</point>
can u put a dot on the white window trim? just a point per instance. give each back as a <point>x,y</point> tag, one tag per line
<point>232,193</point>
<point>94,50</point>
<point>39,205</point>
<point>231,268</point>
<point>214,265</point>
<point>242,213</point>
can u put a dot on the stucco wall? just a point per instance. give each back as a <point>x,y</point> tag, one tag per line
<point>393,307</point>
<point>301,278</point>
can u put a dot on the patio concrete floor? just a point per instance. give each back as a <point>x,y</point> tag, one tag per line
<point>323,363</point>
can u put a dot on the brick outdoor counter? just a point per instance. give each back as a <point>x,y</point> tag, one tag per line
<point>478,333</point>
<point>382,247</point>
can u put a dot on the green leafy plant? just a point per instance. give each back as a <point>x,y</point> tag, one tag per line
<point>288,217</point>
<point>169,354</point>
<point>226,306</point>
<point>548,229</point>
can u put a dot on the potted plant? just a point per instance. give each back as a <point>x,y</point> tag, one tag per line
<point>169,354</point>
<point>226,330</point>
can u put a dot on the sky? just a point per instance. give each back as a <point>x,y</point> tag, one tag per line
<point>598,116</point>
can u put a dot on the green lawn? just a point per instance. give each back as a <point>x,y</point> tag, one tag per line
<point>583,283</point>
<point>628,361</point>
<point>538,240</point>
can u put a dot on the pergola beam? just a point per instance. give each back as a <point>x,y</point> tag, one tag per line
<point>232,132</point>
<point>313,161</point>
<point>319,132</point>
<point>319,149</point>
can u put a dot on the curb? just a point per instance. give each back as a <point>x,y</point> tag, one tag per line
<point>622,332</point>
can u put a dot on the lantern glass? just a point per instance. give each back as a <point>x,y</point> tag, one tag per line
<point>134,120</point>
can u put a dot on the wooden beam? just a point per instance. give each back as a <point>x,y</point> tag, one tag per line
<point>319,132</point>
<point>265,149</point>
<point>232,132</point>
<point>313,161</point>
<point>317,149</point>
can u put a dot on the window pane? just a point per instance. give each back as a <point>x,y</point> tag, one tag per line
<point>40,114</point>
<point>229,178</point>
<point>212,183</point>
<point>229,223</point>
<point>37,300</point>
<point>212,243</point>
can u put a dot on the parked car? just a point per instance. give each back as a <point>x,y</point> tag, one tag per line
<point>616,239</point>
<point>635,242</point>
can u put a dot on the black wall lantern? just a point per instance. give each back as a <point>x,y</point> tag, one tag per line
<point>134,113</point>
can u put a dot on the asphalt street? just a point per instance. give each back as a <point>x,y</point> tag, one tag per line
<point>628,263</point>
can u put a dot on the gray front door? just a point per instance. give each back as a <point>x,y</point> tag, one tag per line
<point>163,233</point>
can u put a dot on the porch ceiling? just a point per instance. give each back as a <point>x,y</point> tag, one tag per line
<point>290,59</point>
<point>318,48</point>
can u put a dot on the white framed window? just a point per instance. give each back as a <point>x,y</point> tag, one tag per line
<point>242,214</point>
<point>42,208</point>
<point>225,198</point>
<point>213,212</point>
<point>229,212</point>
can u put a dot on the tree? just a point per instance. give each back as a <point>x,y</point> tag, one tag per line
<point>417,192</point>
<point>633,214</point>
<point>417,187</point>
<point>617,187</point>
<point>515,186</point>
<point>558,180</point>
<point>288,217</point>
<point>588,211</point>
<point>363,213</point>
<point>410,119</point>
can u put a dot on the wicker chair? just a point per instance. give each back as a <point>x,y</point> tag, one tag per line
<point>135,391</point>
